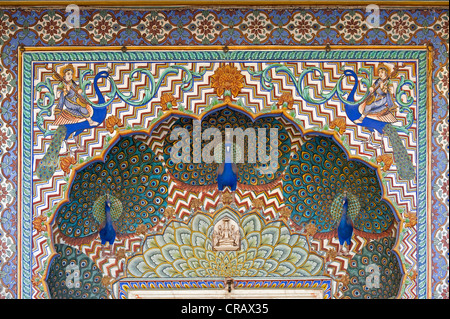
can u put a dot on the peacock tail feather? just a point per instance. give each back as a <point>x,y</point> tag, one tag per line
<point>319,175</point>
<point>404,165</point>
<point>98,209</point>
<point>375,273</point>
<point>251,176</point>
<point>63,282</point>
<point>137,185</point>
<point>47,166</point>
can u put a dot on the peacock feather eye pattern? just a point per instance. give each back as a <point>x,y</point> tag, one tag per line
<point>188,172</point>
<point>131,175</point>
<point>335,176</point>
<point>73,275</point>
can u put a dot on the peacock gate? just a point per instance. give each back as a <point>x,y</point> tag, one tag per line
<point>189,152</point>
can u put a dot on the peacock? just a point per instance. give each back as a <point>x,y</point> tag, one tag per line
<point>342,197</point>
<point>107,232</point>
<point>230,173</point>
<point>345,228</point>
<point>405,167</point>
<point>49,163</point>
<point>111,198</point>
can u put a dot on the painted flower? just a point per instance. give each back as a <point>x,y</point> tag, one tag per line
<point>3,137</point>
<point>196,204</point>
<point>167,101</point>
<point>141,229</point>
<point>311,229</point>
<point>3,248</point>
<point>412,219</point>
<point>103,28</point>
<point>441,27</point>
<point>286,100</point>
<point>442,81</point>
<point>7,27</point>
<point>66,162</point>
<point>38,223</point>
<point>352,27</point>
<point>302,27</point>
<point>387,160</point>
<point>339,123</point>
<point>285,213</point>
<point>256,27</point>
<point>400,27</point>
<point>111,123</point>
<point>169,212</point>
<point>154,27</point>
<point>227,78</point>
<point>205,27</point>
<point>258,203</point>
<point>3,193</point>
<point>51,28</point>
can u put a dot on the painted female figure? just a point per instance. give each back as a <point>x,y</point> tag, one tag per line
<point>380,102</point>
<point>71,107</point>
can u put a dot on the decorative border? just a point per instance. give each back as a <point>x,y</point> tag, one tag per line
<point>29,55</point>
<point>124,285</point>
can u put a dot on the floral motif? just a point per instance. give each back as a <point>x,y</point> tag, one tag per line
<point>256,27</point>
<point>205,27</point>
<point>121,253</point>
<point>330,255</point>
<point>302,27</point>
<point>106,281</point>
<point>227,79</point>
<point>340,123</point>
<point>352,27</point>
<point>186,250</point>
<point>66,162</point>
<point>258,203</point>
<point>7,27</point>
<point>52,28</point>
<point>38,223</point>
<point>400,27</point>
<point>103,28</point>
<point>111,123</point>
<point>387,160</point>
<point>196,204</point>
<point>154,28</point>
<point>285,213</point>
<point>311,229</point>
<point>167,101</point>
<point>141,229</point>
<point>227,198</point>
<point>442,27</point>
<point>286,100</point>
<point>442,81</point>
<point>412,219</point>
<point>169,212</point>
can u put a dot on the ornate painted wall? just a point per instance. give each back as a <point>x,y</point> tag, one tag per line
<point>142,73</point>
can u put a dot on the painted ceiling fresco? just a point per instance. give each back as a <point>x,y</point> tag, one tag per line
<point>119,173</point>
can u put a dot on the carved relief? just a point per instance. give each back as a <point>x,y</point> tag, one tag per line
<point>226,236</point>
